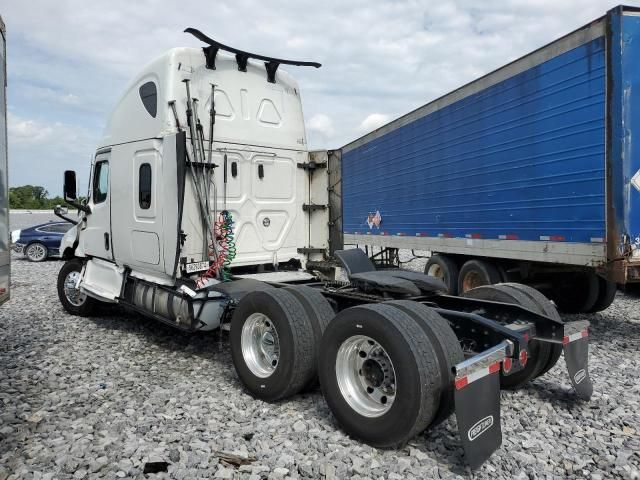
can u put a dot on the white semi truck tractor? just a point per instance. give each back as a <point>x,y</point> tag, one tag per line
<point>204,165</point>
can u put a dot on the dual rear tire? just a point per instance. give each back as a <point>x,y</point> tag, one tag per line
<point>385,369</point>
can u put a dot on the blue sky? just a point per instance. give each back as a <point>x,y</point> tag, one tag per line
<point>69,60</point>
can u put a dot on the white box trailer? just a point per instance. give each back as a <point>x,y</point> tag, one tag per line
<point>204,164</point>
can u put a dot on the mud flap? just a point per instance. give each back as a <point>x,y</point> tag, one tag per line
<point>576,354</point>
<point>478,414</point>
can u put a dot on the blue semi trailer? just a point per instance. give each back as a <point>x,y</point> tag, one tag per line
<point>529,174</point>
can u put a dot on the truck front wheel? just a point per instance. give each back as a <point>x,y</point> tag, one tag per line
<point>73,300</point>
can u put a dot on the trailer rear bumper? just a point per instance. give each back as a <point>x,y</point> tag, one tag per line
<point>477,389</point>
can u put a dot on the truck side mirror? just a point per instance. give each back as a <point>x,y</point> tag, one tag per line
<point>70,186</point>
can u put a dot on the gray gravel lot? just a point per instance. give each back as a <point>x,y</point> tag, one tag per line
<point>100,397</point>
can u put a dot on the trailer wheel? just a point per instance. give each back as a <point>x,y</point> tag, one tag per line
<point>476,273</point>
<point>379,374</point>
<point>548,309</point>
<point>446,345</point>
<point>318,310</point>
<point>446,269</point>
<point>606,295</point>
<point>272,344</point>
<point>578,293</point>
<point>539,352</point>
<point>72,299</point>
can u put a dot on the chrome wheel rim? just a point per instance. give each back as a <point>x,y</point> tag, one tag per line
<point>260,345</point>
<point>366,377</point>
<point>74,296</point>
<point>36,252</point>
<point>435,271</point>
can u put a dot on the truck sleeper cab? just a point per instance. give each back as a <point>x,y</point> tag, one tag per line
<point>393,353</point>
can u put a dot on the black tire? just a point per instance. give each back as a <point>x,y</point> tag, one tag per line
<point>539,352</point>
<point>446,345</point>
<point>577,293</point>
<point>83,305</point>
<point>548,309</point>
<point>318,310</point>
<point>296,365</point>
<point>416,368</point>
<point>36,252</point>
<point>477,273</point>
<point>449,271</point>
<point>606,295</point>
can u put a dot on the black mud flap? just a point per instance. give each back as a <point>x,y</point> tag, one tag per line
<point>576,354</point>
<point>478,414</point>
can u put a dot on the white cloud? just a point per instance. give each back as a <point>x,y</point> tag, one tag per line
<point>40,151</point>
<point>373,121</point>
<point>320,130</point>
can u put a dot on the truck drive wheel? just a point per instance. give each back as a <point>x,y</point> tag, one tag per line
<point>606,295</point>
<point>73,300</point>
<point>539,352</point>
<point>445,344</point>
<point>318,310</point>
<point>444,268</point>
<point>476,273</point>
<point>379,374</point>
<point>272,344</point>
<point>548,309</point>
<point>577,293</point>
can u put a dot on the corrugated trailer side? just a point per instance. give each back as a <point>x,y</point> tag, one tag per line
<point>530,163</point>
<point>623,152</point>
<point>512,161</point>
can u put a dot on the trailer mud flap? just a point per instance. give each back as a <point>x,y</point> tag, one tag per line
<point>478,414</point>
<point>477,401</point>
<point>576,354</point>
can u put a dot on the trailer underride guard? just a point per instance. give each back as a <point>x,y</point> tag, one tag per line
<point>392,351</point>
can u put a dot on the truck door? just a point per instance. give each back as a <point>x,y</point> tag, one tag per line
<point>97,231</point>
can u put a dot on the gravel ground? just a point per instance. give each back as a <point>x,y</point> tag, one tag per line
<point>101,397</point>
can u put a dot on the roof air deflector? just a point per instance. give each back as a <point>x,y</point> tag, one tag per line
<point>242,57</point>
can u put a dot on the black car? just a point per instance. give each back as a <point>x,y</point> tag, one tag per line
<point>41,241</point>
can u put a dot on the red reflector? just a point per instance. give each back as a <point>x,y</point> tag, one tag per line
<point>524,356</point>
<point>494,368</point>
<point>526,337</point>
<point>506,365</point>
<point>511,237</point>
<point>461,383</point>
<point>585,334</point>
<point>556,238</point>
<point>476,235</point>
<point>565,340</point>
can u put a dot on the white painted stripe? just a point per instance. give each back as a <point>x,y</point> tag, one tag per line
<point>468,235</point>
<point>502,237</point>
<point>597,239</point>
<point>545,237</point>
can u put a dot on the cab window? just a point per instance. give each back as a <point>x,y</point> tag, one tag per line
<point>101,182</point>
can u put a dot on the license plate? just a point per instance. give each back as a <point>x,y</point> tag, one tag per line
<point>197,267</point>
